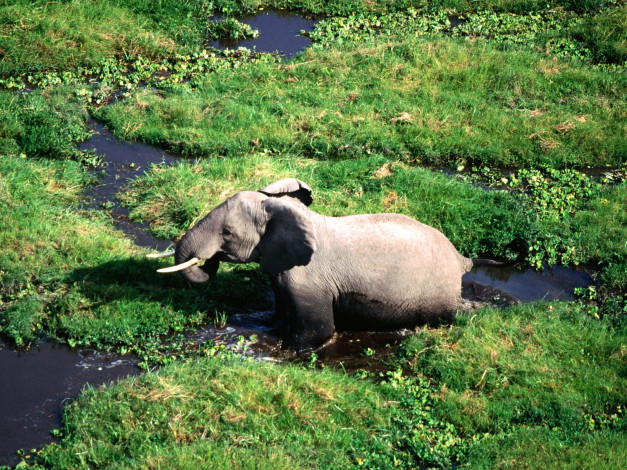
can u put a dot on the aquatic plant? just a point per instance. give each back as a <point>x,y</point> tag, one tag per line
<point>230,28</point>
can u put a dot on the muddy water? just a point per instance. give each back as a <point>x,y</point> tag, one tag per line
<point>35,384</point>
<point>279,31</point>
<point>257,334</point>
<point>557,283</point>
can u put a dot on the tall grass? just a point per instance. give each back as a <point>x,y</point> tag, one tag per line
<point>65,271</point>
<point>40,36</point>
<point>48,125</point>
<point>224,413</point>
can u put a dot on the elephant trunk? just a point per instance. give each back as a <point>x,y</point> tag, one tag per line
<point>201,244</point>
<point>193,273</point>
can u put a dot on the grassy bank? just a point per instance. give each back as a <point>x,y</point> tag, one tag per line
<point>47,36</point>
<point>366,118</point>
<point>228,414</point>
<point>440,102</point>
<point>529,378</point>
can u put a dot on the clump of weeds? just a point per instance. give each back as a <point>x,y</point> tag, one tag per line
<point>579,212</point>
<point>586,37</point>
<point>230,28</point>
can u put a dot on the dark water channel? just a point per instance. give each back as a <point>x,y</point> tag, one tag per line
<point>35,384</point>
<point>557,283</point>
<point>122,162</point>
<point>279,31</point>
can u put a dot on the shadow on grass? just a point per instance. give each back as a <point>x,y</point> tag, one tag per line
<point>238,288</point>
<point>122,300</point>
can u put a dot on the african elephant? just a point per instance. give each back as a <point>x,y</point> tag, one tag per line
<point>360,272</point>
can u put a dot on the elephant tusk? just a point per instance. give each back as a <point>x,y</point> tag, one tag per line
<point>179,267</point>
<point>160,255</point>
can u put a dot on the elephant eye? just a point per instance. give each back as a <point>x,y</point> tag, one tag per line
<point>226,231</point>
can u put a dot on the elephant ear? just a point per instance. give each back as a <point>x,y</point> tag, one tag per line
<point>289,239</point>
<point>291,187</point>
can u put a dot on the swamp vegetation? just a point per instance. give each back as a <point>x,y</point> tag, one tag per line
<point>521,103</point>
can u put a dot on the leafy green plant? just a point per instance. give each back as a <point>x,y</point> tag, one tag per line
<point>220,319</point>
<point>230,28</point>
<point>416,431</point>
<point>43,125</point>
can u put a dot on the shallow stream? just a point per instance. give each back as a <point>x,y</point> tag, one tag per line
<point>36,384</point>
<point>122,162</point>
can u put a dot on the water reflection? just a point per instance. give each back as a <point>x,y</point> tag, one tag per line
<point>557,283</point>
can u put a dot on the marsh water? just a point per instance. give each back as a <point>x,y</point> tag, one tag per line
<point>35,384</point>
<point>279,31</point>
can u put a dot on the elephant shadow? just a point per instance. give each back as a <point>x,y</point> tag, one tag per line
<point>125,281</point>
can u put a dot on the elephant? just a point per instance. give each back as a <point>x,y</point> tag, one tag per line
<point>361,272</point>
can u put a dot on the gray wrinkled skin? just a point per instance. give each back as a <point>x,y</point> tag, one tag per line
<point>363,272</point>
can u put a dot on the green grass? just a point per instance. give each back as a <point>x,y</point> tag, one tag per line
<point>543,380</point>
<point>542,448</point>
<point>596,38</point>
<point>438,102</point>
<point>223,413</point>
<point>68,273</point>
<point>43,36</point>
<point>515,6</point>
<point>603,233</point>
<point>605,35</point>
<point>530,386</point>
<point>531,365</point>
<point>39,36</point>
<point>43,125</point>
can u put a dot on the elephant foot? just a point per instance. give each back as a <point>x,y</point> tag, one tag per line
<point>327,343</point>
<point>308,344</point>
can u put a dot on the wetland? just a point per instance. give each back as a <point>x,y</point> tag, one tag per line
<point>91,179</point>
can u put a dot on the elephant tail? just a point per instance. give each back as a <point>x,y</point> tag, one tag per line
<point>519,245</point>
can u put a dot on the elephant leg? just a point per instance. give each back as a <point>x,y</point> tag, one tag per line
<point>308,321</point>
<point>280,308</point>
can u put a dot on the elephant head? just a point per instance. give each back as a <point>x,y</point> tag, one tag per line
<point>270,226</point>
